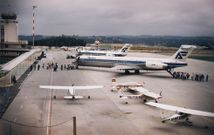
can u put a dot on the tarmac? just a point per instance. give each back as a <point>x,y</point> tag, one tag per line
<point>34,111</point>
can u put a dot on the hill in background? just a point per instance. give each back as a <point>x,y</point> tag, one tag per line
<point>169,41</point>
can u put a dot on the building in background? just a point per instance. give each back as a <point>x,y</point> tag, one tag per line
<point>10,45</point>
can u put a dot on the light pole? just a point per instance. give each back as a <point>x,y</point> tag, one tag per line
<point>34,22</point>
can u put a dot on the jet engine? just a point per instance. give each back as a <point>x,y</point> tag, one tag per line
<point>155,65</point>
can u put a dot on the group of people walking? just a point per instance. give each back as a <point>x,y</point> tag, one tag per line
<point>187,76</point>
<point>53,66</point>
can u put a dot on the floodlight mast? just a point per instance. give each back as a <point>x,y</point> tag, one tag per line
<point>34,7</point>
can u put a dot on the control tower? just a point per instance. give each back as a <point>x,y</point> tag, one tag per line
<point>10,45</point>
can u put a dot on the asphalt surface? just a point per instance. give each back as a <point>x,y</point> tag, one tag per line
<point>34,112</point>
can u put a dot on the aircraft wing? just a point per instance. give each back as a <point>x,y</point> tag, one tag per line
<point>55,87</point>
<point>126,67</point>
<point>181,109</point>
<point>69,87</point>
<point>146,92</point>
<point>87,87</point>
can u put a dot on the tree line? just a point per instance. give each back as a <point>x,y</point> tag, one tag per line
<point>59,41</point>
<point>75,40</point>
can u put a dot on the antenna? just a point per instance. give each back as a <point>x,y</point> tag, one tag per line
<point>34,22</point>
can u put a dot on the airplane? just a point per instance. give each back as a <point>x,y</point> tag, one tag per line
<point>71,90</point>
<point>124,86</point>
<point>181,113</point>
<point>138,63</point>
<point>94,46</point>
<point>142,93</point>
<point>122,52</point>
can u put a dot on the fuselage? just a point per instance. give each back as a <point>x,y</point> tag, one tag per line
<point>102,53</point>
<point>143,63</point>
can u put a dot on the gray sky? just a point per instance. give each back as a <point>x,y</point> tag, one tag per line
<point>115,17</point>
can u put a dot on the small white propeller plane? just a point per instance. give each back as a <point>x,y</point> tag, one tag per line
<point>124,86</point>
<point>71,90</point>
<point>181,113</point>
<point>142,93</point>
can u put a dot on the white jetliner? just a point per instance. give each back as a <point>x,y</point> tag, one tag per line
<point>142,93</point>
<point>180,112</point>
<point>138,63</point>
<point>93,46</point>
<point>71,90</point>
<point>122,52</point>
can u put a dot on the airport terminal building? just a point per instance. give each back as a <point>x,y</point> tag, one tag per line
<point>10,45</point>
<point>16,51</point>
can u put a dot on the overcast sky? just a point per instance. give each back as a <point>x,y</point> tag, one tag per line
<point>114,17</point>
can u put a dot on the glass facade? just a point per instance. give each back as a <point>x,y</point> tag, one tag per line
<point>9,78</point>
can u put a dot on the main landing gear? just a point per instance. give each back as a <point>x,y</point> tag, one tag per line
<point>135,71</point>
<point>127,72</point>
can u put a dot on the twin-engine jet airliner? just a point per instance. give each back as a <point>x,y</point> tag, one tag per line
<point>181,113</point>
<point>122,52</point>
<point>71,90</point>
<point>138,63</point>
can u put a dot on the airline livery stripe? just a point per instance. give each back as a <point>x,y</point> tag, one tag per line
<point>130,62</point>
<point>112,61</point>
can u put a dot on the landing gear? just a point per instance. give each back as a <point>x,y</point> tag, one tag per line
<point>206,127</point>
<point>144,100</point>
<point>137,71</point>
<point>126,102</point>
<point>127,72</point>
<point>188,122</point>
<point>89,97</point>
<point>156,101</point>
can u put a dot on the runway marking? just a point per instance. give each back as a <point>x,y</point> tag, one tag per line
<point>50,105</point>
<point>49,114</point>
